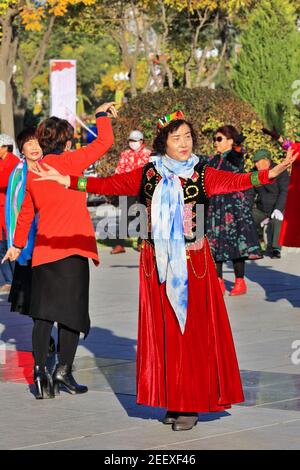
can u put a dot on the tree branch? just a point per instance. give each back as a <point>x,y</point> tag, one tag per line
<point>38,59</point>
<point>214,70</point>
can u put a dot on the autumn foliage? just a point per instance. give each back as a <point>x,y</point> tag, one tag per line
<point>32,13</point>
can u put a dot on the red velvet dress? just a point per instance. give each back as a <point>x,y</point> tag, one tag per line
<point>196,371</point>
<point>290,230</point>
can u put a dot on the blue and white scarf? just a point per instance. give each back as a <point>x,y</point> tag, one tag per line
<point>168,230</point>
<point>14,197</point>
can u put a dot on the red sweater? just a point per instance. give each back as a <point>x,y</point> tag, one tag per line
<point>215,182</point>
<point>6,167</point>
<point>64,224</point>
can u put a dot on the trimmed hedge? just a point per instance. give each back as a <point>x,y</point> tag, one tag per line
<point>206,109</point>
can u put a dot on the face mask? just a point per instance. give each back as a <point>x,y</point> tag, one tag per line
<point>135,145</point>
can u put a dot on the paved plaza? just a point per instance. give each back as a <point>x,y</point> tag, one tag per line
<point>266,327</point>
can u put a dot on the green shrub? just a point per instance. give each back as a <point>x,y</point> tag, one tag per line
<point>268,62</point>
<point>206,109</point>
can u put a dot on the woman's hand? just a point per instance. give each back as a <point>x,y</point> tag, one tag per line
<point>108,108</point>
<point>12,254</point>
<point>291,156</point>
<point>48,173</point>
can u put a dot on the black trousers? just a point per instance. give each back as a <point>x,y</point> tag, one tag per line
<point>238,266</point>
<point>68,342</point>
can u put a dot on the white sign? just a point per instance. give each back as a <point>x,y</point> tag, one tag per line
<point>63,89</point>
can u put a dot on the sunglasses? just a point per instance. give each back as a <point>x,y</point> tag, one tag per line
<point>219,139</point>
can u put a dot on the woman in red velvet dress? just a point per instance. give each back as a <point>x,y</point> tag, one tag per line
<point>290,230</point>
<point>186,360</point>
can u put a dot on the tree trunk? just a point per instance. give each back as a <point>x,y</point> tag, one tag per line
<point>169,74</point>
<point>200,67</point>
<point>165,64</point>
<point>29,72</point>
<point>187,74</point>
<point>212,73</point>
<point>7,60</point>
<point>20,109</point>
<point>133,90</point>
<point>6,105</point>
<point>130,60</point>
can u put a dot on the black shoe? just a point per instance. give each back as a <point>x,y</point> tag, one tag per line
<point>170,417</point>
<point>43,383</point>
<point>62,376</point>
<point>185,422</point>
<point>275,254</point>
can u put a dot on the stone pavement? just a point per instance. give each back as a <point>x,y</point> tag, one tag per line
<point>265,323</point>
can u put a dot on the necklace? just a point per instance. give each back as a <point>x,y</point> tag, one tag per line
<point>147,274</point>
<point>201,276</point>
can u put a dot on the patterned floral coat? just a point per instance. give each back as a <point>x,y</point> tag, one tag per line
<point>229,224</point>
<point>131,160</point>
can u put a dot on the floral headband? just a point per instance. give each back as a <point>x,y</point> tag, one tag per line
<point>164,121</point>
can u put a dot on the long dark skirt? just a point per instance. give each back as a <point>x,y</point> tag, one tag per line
<point>20,292</point>
<point>60,293</point>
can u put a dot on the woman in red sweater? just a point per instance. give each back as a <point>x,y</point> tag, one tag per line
<point>186,360</point>
<point>64,241</point>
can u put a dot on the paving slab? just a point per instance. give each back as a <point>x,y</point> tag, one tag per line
<point>266,328</point>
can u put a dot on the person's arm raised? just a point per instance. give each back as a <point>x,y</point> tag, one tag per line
<point>222,182</point>
<point>76,161</point>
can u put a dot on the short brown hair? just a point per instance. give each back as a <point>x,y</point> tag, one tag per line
<point>53,134</point>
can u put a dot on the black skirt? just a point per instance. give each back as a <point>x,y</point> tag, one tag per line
<point>20,292</point>
<point>60,293</point>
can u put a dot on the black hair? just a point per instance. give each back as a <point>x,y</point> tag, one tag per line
<point>160,142</point>
<point>24,136</point>
<point>231,133</point>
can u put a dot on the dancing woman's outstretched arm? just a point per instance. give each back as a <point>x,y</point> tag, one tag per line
<point>215,181</point>
<point>126,184</point>
<point>222,182</point>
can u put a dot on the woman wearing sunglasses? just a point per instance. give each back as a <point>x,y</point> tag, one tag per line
<point>229,224</point>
